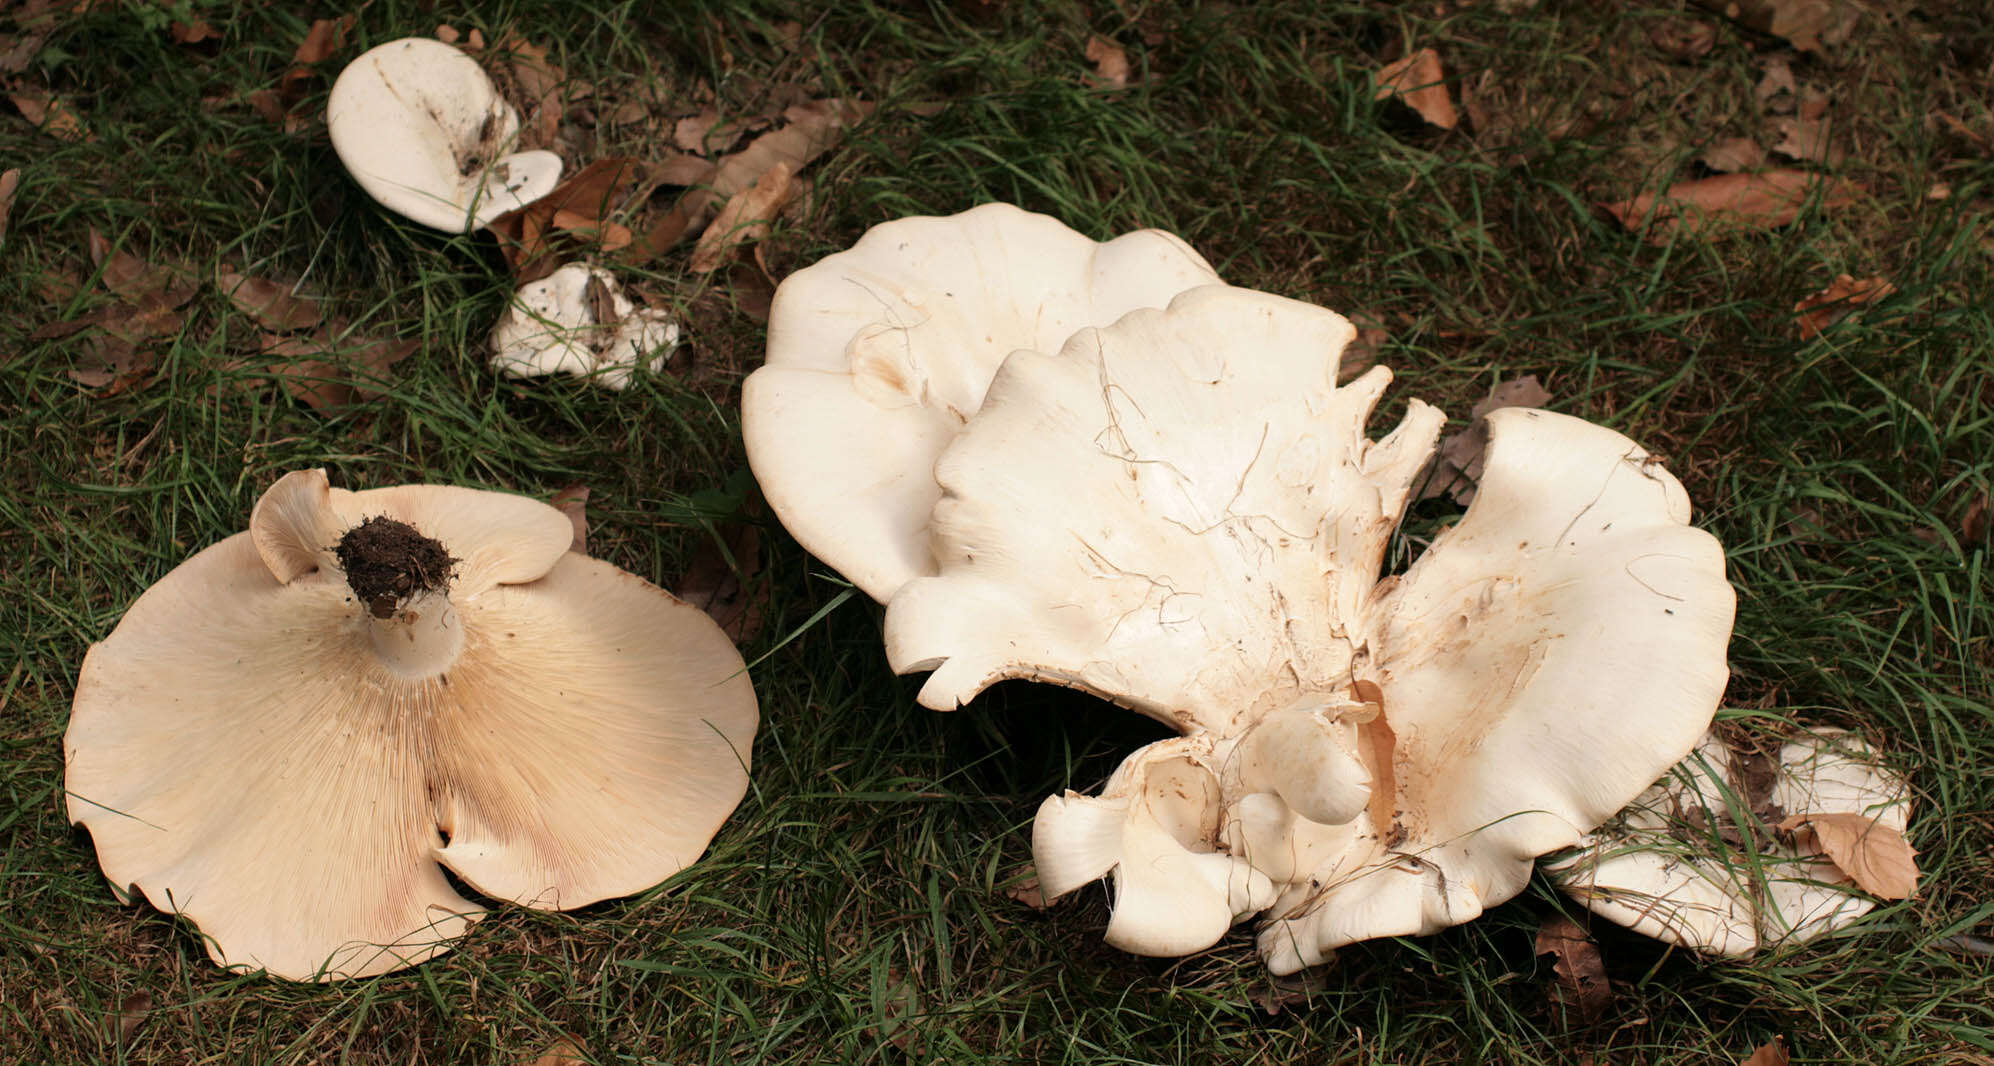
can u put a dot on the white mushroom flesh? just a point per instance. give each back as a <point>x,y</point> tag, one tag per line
<point>422,129</point>
<point>877,356</point>
<point>293,770</point>
<point>577,321</point>
<point>1692,862</point>
<point>1180,512</point>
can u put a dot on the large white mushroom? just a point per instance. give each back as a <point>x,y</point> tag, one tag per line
<point>1695,861</point>
<point>1181,512</point>
<point>422,129</point>
<point>878,355</point>
<point>292,735</point>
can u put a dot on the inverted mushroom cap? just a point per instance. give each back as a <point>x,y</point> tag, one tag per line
<point>291,768</point>
<point>1180,512</point>
<point>577,321</point>
<point>1691,862</point>
<point>422,129</point>
<point>878,354</point>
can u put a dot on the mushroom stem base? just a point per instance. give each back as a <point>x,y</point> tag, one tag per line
<point>421,639</point>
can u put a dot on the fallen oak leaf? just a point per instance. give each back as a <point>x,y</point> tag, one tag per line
<point>1876,857</point>
<point>273,305</point>
<point>1808,25</point>
<point>10,183</point>
<point>326,374</point>
<point>563,1052</point>
<point>720,580</point>
<point>1806,139</point>
<point>1842,298</point>
<point>1458,466</point>
<point>1581,973</point>
<point>1111,64</point>
<point>1733,154</point>
<point>689,133</point>
<point>611,236</point>
<point>1731,203</point>
<point>812,129</point>
<point>50,115</point>
<point>1419,81</point>
<point>745,217</point>
<point>191,33</point>
<point>1773,1054</point>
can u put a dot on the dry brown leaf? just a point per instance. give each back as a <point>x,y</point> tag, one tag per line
<point>541,87</point>
<point>1777,91</point>
<point>582,202</point>
<point>681,169</point>
<point>1024,888</point>
<point>1420,82</point>
<point>1806,140</point>
<point>1733,154</point>
<point>1683,39</point>
<point>566,1051</point>
<point>746,217</point>
<point>50,115</point>
<point>329,371</point>
<point>111,363</point>
<point>1979,518</point>
<point>323,39</point>
<point>812,129</point>
<point>1582,982</point>
<point>611,236</point>
<point>1843,297</point>
<point>1362,351</point>
<point>689,133</point>
<point>1731,203</point>
<point>1294,990</point>
<point>1876,857</point>
<point>1111,64</point>
<point>1460,463</point>
<point>132,1012</point>
<point>193,32</point>
<point>1773,1054</point>
<point>1808,25</point>
<point>573,502</point>
<point>728,592</point>
<point>447,33</point>
<point>10,183</point>
<point>274,305</point>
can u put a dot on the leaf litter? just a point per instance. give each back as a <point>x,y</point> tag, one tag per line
<point>1581,982</point>
<point>1458,465</point>
<point>1418,81</point>
<point>1876,857</point>
<point>1729,204</point>
<point>1842,297</point>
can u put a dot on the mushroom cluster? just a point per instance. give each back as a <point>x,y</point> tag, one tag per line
<point>294,734</point>
<point>1106,470</point>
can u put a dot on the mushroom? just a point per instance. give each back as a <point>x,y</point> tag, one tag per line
<point>422,129</point>
<point>1180,512</point>
<point>577,321</point>
<point>877,356</point>
<point>1693,860</point>
<point>292,735</point>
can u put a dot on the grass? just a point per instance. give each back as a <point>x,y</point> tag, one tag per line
<point>853,910</point>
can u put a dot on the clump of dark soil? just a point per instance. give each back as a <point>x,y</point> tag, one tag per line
<point>387,562</point>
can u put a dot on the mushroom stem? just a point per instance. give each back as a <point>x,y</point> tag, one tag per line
<point>421,638</point>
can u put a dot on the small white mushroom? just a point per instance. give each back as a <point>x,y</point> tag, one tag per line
<point>877,356</point>
<point>1693,860</point>
<point>290,736</point>
<point>422,129</point>
<point>1181,512</point>
<point>577,321</point>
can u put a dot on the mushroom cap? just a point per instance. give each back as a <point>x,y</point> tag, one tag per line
<point>1180,512</point>
<point>877,356</point>
<point>243,756</point>
<point>1154,827</point>
<point>577,321</point>
<point>422,129</point>
<point>1666,867</point>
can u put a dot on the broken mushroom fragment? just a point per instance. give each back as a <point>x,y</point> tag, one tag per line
<point>422,129</point>
<point>577,321</point>
<point>1180,512</point>
<point>1696,860</point>
<point>877,356</point>
<point>292,735</point>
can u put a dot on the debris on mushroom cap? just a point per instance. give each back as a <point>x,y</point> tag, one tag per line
<point>1695,861</point>
<point>577,321</point>
<point>260,750</point>
<point>1181,513</point>
<point>422,129</point>
<point>877,356</point>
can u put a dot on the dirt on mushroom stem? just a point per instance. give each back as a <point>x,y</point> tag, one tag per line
<point>387,563</point>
